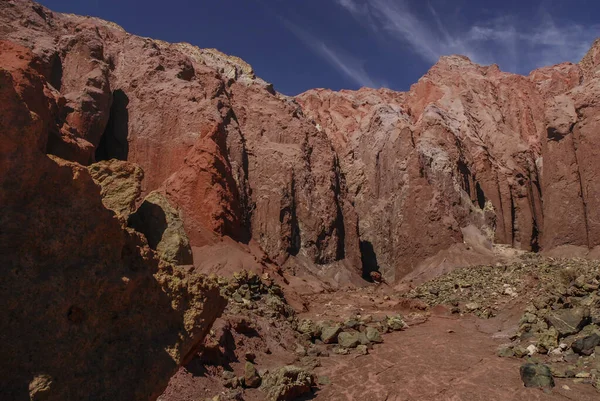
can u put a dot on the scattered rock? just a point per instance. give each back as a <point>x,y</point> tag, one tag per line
<point>362,350</point>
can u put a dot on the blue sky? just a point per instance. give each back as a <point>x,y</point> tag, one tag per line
<point>345,44</point>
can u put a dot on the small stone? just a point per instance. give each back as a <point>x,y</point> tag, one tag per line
<point>505,352</point>
<point>250,356</point>
<point>300,350</point>
<point>587,345</point>
<point>348,340</point>
<point>228,375</point>
<point>324,380</point>
<point>351,324</point>
<point>520,352</point>
<point>532,350</point>
<point>329,333</point>
<point>396,323</point>
<point>510,291</point>
<point>472,306</point>
<point>536,375</point>
<point>548,339</point>
<point>583,375</point>
<point>340,350</point>
<point>307,326</point>
<point>373,335</point>
<point>362,338</point>
<point>251,377</point>
<point>362,350</point>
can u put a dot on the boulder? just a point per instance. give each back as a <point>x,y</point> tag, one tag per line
<point>536,375</point>
<point>586,346</point>
<point>568,321</point>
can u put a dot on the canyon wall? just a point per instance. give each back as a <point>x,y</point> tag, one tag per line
<point>354,181</point>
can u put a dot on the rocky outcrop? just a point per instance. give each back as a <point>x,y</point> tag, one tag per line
<point>88,311</point>
<point>336,183</point>
<point>120,183</point>
<point>161,223</point>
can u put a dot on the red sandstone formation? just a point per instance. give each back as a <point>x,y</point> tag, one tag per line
<point>338,183</point>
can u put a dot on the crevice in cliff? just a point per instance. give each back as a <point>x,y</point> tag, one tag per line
<point>113,143</point>
<point>295,241</point>
<point>56,73</point>
<point>465,174</point>
<point>513,218</point>
<point>339,190</point>
<point>480,196</point>
<point>368,257</point>
<point>535,234</point>
<point>581,189</point>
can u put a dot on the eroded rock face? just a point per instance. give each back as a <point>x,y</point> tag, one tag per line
<point>161,223</point>
<point>120,183</point>
<point>87,309</point>
<point>359,181</point>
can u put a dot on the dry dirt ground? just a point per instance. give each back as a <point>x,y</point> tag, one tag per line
<point>440,356</point>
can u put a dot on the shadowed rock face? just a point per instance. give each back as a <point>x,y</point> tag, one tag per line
<point>87,310</point>
<point>308,180</point>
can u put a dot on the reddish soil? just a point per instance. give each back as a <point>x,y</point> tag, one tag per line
<point>443,359</point>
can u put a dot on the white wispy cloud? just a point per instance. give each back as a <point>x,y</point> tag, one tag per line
<point>348,65</point>
<point>514,44</point>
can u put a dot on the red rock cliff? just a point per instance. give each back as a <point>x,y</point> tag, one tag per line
<point>330,181</point>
